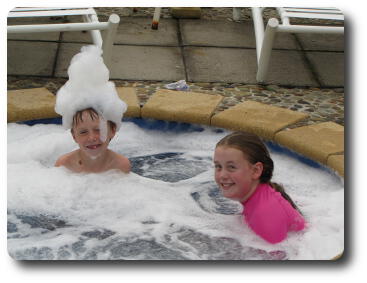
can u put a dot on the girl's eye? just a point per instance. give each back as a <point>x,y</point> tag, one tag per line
<point>82,132</point>
<point>217,166</point>
<point>231,167</point>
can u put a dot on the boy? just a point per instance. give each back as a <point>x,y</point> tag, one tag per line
<point>90,106</point>
<point>93,154</point>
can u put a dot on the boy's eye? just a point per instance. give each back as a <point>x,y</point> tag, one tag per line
<point>231,167</point>
<point>82,132</point>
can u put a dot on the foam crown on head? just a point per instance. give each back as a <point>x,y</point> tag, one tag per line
<point>88,86</point>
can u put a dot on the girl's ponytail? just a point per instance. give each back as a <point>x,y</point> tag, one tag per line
<point>280,189</point>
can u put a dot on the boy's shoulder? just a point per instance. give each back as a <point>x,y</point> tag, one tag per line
<point>66,159</point>
<point>121,162</point>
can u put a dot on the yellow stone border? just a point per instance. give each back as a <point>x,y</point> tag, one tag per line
<point>261,119</point>
<point>30,104</point>
<point>322,142</point>
<point>128,94</point>
<point>181,106</point>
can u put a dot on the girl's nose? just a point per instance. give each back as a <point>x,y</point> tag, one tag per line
<point>223,174</point>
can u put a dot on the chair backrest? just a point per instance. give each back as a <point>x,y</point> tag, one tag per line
<point>309,13</point>
<point>90,23</point>
<point>50,12</point>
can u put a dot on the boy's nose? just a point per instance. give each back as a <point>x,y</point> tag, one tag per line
<point>93,136</point>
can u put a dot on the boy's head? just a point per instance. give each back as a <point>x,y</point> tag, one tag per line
<point>93,114</point>
<point>92,132</point>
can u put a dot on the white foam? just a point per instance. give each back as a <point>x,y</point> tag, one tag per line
<point>123,203</point>
<point>102,128</point>
<point>88,86</point>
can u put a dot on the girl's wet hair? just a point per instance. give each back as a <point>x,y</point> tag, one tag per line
<point>255,151</point>
<point>78,117</point>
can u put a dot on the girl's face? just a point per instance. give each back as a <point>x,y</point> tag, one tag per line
<point>236,177</point>
<point>87,134</point>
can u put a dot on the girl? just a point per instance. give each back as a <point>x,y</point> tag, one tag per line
<point>243,171</point>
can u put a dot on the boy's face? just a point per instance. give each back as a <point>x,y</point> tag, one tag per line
<point>87,134</point>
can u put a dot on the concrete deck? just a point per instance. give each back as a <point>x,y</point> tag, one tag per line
<point>192,49</point>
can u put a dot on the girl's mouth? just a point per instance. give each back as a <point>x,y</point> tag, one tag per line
<point>226,186</point>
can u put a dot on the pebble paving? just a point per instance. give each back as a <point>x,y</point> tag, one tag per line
<point>321,104</point>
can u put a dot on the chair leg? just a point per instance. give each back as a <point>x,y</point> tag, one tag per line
<point>266,47</point>
<point>113,22</point>
<point>156,16</point>
<point>95,34</point>
<point>258,28</point>
<point>236,13</point>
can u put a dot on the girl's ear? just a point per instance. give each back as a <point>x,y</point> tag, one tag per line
<point>257,171</point>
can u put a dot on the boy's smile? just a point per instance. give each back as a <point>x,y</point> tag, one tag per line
<point>93,146</point>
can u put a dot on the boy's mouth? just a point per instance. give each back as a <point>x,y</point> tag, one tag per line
<point>93,146</point>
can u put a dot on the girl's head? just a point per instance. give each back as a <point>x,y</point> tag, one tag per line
<point>91,132</point>
<point>242,161</point>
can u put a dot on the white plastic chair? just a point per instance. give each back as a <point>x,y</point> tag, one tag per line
<point>90,24</point>
<point>264,39</point>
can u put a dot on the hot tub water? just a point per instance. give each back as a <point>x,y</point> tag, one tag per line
<point>169,207</point>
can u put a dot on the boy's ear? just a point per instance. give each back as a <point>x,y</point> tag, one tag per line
<point>258,168</point>
<point>113,129</point>
<point>72,133</point>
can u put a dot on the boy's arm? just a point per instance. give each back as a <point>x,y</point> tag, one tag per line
<point>59,162</point>
<point>62,160</point>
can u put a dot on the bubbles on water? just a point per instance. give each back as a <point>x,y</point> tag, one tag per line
<point>148,214</point>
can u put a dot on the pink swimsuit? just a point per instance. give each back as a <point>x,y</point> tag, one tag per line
<point>270,215</point>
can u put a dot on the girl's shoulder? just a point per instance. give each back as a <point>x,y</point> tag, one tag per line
<point>267,205</point>
<point>276,209</point>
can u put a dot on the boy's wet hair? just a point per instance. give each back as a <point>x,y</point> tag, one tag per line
<point>78,117</point>
<point>255,151</point>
